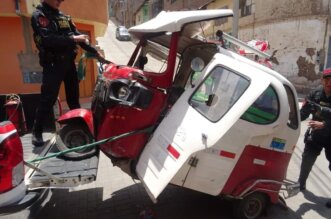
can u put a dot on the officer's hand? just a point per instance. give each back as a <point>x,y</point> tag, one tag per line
<point>82,38</point>
<point>314,107</point>
<point>315,124</point>
<point>101,58</point>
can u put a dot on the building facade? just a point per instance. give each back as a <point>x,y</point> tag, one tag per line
<point>19,63</point>
<point>127,11</point>
<point>299,34</point>
<point>132,12</point>
<point>177,5</point>
<point>298,31</point>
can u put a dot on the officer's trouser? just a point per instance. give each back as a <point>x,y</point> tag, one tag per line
<point>311,151</point>
<point>53,74</point>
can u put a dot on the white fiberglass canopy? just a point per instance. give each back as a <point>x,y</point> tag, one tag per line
<point>173,21</point>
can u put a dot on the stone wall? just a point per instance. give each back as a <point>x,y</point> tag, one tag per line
<point>298,32</point>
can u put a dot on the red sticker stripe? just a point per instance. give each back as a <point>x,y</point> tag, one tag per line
<point>228,154</point>
<point>173,151</point>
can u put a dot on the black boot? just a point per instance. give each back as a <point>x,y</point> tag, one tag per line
<point>302,186</point>
<point>37,135</point>
<point>37,139</point>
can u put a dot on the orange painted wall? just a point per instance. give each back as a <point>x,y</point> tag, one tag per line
<point>89,10</point>
<point>7,6</point>
<point>11,43</point>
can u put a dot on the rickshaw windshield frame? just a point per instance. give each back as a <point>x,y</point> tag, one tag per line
<point>212,97</point>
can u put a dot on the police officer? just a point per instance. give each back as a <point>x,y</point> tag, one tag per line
<point>318,135</point>
<point>56,38</point>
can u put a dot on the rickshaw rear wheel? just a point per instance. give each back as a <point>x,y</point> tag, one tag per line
<point>74,135</point>
<point>251,206</point>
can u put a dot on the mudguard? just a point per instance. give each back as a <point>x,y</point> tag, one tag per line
<point>78,115</point>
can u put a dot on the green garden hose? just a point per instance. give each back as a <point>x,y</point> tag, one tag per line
<point>110,139</point>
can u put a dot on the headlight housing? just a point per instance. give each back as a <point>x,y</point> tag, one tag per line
<point>128,93</point>
<point>123,92</point>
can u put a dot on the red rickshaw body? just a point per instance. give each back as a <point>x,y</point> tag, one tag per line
<point>120,119</point>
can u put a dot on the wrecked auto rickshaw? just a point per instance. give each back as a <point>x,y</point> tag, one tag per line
<point>208,119</point>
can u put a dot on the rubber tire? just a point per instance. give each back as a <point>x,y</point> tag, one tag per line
<point>251,206</point>
<point>82,136</point>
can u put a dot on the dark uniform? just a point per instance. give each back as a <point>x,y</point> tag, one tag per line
<point>315,140</point>
<point>57,51</point>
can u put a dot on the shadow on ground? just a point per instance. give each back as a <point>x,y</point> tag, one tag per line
<point>130,202</point>
<point>314,204</point>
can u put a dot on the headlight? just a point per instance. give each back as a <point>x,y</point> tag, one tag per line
<point>127,92</point>
<point>123,93</point>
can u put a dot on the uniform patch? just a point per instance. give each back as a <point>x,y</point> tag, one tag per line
<point>43,21</point>
<point>63,23</point>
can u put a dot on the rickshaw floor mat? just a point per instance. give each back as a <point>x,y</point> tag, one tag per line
<point>61,168</point>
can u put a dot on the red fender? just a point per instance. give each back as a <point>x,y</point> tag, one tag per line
<point>80,115</point>
<point>246,172</point>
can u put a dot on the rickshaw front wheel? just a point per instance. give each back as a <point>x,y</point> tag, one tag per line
<point>251,206</point>
<point>74,135</point>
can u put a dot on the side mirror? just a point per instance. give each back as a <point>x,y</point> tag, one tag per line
<point>212,100</point>
<point>197,64</point>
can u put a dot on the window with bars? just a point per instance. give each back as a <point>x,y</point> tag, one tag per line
<point>245,7</point>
